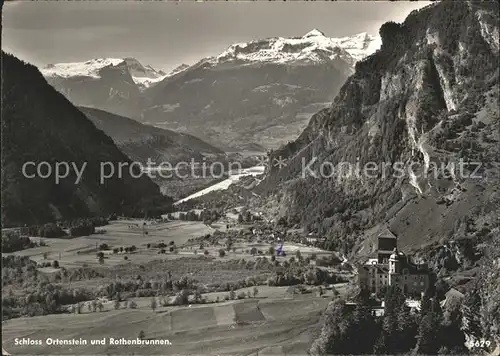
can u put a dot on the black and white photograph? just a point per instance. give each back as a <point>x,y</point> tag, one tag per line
<point>250,178</point>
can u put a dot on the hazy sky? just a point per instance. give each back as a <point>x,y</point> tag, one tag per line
<point>166,34</point>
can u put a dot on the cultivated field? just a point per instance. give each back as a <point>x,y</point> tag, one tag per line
<point>260,325</point>
<point>79,251</point>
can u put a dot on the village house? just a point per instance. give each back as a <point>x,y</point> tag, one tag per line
<point>393,267</point>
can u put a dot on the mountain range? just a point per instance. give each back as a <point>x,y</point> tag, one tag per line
<point>110,84</point>
<point>254,96</point>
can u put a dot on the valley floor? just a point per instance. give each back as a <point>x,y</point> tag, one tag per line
<point>275,322</point>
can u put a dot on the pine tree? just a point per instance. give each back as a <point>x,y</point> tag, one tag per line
<point>430,330</point>
<point>407,329</point>
<point>330,338</point>
<point>452,336</point>
<point>394,302</point>
<point>362,323</point>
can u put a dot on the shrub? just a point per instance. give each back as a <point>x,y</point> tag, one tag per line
<point>51,231</point>
<point>103,247</point>
<point>55,264</point>
<point>82,229</point>
<point>255,291</point>
<point>222,253</point>
<point>12,242</point>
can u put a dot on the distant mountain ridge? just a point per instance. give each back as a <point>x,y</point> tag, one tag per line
<point>259,94</point>
<point>143,76</point>
<point>141,142</point>
<point>313,46</point>
<point>110,84</point>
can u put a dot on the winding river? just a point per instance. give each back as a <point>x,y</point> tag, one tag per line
<point>223,185</point>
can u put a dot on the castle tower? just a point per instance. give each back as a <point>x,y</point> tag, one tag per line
<point>394,266</point>
<point>387,242</point>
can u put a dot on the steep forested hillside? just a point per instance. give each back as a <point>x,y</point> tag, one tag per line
<point>39,124</point>
<point>140,142</point>
<point>429,97</point>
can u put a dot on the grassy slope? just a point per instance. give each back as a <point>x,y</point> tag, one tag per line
<point>271,325</point>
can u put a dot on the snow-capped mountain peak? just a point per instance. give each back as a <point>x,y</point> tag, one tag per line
<point>178,69</point>
<point>314,46</point>
<point>89,68</point>
<point>314,33</point>
<point>143,76</point>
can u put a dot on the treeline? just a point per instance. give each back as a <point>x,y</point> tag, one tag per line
<point>70,228</point>
<point>430,331</point>
<point>40,294</point>
<point>247,217</point>
<point>309,276</point>
<point>207,216</point>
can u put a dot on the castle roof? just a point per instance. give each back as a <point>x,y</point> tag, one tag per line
<point>387,234</point>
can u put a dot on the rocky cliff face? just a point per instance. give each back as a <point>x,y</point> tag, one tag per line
<point>40,125</point>
<point>426,100</point>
